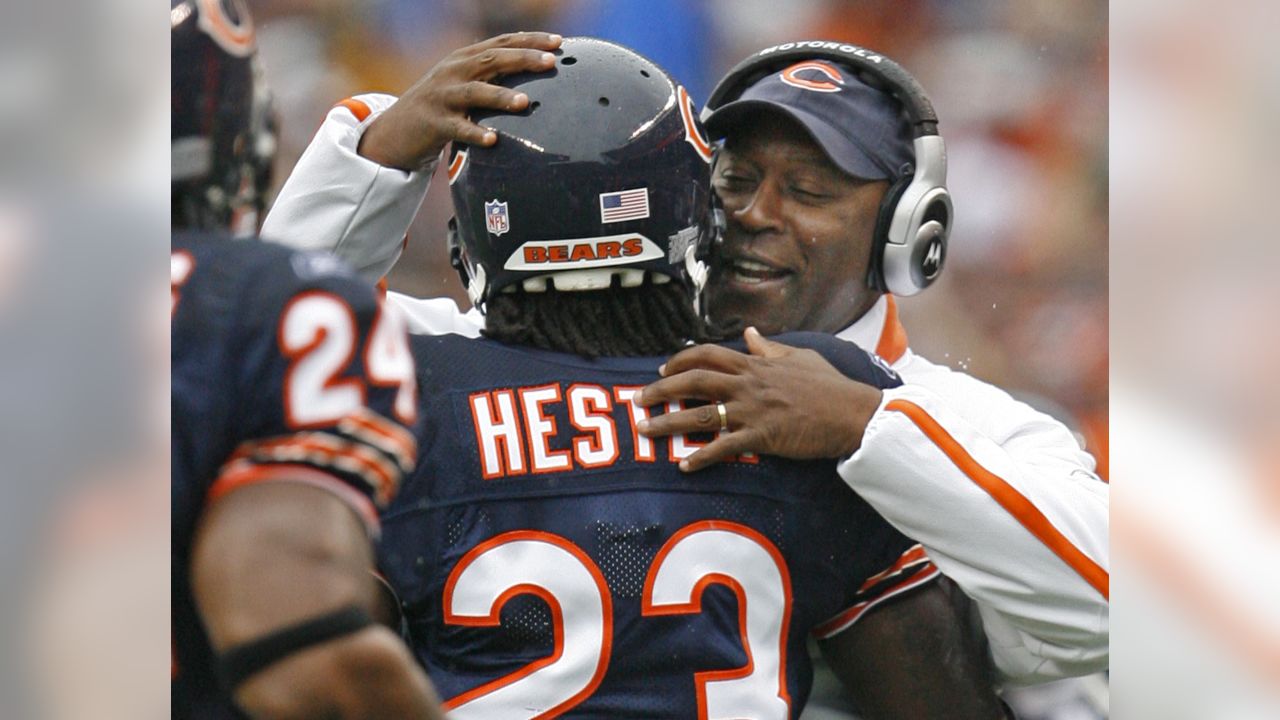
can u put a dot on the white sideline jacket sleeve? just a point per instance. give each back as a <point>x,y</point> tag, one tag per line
<point>436,316</point>
<point>1021,525</point>
<point>339,202</point>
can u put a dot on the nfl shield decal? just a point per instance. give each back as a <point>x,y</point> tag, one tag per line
<point>495,217</point>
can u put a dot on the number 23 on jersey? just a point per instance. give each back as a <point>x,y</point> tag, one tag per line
<point>554,569</point>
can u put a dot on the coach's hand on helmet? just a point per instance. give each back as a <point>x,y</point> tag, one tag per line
<point>779,400</point>
<point>410,134</point>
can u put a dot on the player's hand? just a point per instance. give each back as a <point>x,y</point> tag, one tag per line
<point>436,110</point>
<point>779,400</point>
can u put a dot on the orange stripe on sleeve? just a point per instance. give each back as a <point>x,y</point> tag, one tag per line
<point>357,108</point>
<point>893,338</point>
<point>914,555</point>
<point>378,473</point>
<point>401,443</point>
<point>846,619</point>
<point>248,474</point>
<point>1014,502</point>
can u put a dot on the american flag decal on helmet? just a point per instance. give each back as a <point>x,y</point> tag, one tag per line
<point>624,205</point>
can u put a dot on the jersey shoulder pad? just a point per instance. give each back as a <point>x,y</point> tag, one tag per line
<point>253,280</point>
<point>847,357</point>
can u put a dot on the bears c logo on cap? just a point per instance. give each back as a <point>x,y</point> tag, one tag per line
<point>791,76</point>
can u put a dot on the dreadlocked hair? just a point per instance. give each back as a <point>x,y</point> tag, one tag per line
<point>651,319</point>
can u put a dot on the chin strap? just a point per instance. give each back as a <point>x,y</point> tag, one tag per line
<point>476,287</point>
<point>697,270</point>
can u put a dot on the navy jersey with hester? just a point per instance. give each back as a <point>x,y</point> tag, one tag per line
<point>550,561</point>
<point>284,367</point>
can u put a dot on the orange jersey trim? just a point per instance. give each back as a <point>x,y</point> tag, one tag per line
<point>379,474</point>
<point>245,475</point>
<point>1014,502</point>
<point>912,556</point>
<point>846,619</point>
<point>389,437</point>
<point>893,338</point>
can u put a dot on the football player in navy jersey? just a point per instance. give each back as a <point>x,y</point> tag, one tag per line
<point>292,393</point>
<point>550,559</point>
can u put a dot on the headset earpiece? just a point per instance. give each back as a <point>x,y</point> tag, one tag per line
<point>884,218</point>
<point>913,249</point>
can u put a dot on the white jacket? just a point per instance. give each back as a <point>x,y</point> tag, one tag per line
<point>1002,497</point>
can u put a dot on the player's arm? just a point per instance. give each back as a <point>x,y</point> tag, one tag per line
<point>271,555</point>
<point>1039,569</point>
<point>921,655</point>
<point>360,182</point>
<point>325,391</point>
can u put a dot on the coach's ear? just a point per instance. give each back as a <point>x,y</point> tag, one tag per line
<point>920,655</point>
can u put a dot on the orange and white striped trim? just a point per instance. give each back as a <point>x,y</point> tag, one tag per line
<point>243,474</point>
<point>912,557</point>
<point>846,619</point>
<point>383,434</point>
<point>325,450</point>
<point>1014,502</point>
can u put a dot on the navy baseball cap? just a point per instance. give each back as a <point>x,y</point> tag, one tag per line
<point>861,128</point>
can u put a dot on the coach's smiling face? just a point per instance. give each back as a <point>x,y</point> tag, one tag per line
<point>798,239</point>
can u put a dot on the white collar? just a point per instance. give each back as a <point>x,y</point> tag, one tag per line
<point>879,331</point>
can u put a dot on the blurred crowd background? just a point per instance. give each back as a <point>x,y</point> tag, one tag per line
<point>1021,90</point>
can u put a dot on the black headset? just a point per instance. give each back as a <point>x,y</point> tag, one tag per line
<point>914,220</point>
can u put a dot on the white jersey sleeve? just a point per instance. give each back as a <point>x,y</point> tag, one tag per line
<point>339,202</point>
<point>1006,504</point>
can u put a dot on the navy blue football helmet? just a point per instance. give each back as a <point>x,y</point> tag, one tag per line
<point>606,174</point>
<point>223,127</point>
